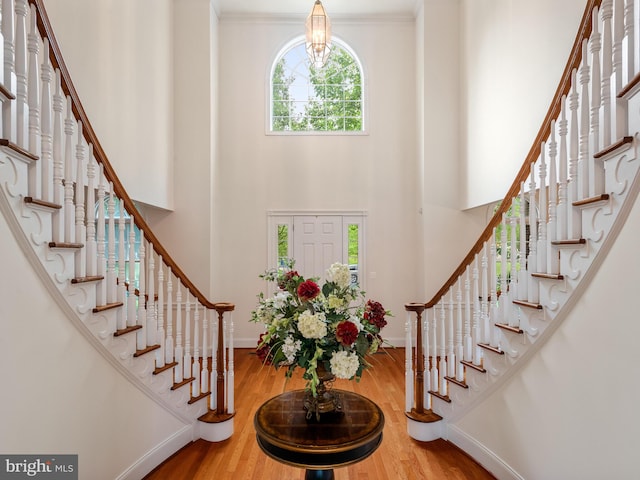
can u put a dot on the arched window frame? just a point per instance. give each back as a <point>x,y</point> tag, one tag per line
<point>269,91</point>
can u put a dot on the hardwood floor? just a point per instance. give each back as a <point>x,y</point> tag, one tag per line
<point>398,458</point>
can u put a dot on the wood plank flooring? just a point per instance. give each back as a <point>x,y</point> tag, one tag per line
<point>398,458</point>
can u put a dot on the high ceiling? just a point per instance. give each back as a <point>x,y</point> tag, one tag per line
<point>303,7</point>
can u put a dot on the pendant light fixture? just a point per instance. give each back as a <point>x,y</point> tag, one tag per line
<point>318,35</point>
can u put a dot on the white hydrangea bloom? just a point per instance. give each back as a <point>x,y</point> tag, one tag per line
<point>290,348</point>
<point>344,364</point>
<point>334,302</point>
<point>339,273</point>
<point>312,325</point>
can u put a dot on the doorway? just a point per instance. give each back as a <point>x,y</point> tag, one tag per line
<point>315,240</point>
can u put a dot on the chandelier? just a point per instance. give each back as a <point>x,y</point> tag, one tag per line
<point>318,35</point>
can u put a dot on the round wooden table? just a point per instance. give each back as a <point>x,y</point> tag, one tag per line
<point>338,439</point>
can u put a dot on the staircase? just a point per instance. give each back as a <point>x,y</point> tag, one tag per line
<point>547,239</point>
<point>90,246</point>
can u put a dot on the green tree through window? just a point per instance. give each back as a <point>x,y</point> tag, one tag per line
<point>306,99</point>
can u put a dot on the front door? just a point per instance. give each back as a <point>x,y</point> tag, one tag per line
<point>317,243</point>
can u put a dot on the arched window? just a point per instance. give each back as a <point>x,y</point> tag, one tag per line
<point>308,99</point>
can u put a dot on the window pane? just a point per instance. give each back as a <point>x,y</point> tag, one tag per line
<point>309,99</point>
<point>283,244</point>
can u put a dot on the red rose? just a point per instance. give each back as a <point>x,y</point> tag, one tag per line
<point>374,313</point>
<point>286,280</point>
<point>263,351</point>
<point>308,290</point>
<point>346,333</point>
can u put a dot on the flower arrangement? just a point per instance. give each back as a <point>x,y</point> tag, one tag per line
<point>330,328</point>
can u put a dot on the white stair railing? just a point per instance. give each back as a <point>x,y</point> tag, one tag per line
<point>549,228</point>
<point>128,278</point>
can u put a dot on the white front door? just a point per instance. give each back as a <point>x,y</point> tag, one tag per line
<point>317,243</point>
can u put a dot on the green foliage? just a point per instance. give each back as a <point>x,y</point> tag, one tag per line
<point>332,102</point>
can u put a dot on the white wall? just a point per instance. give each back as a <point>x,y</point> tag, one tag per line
<point>571,412</point>
<point>59,395</point>
<point>448,232</point>
<point>156,61</point>
<point>377,172</point>
<point>514,52</point>
<point>116,52</point>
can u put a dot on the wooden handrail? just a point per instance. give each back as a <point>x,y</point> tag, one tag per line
<point>57,61</point>
<point>584,31</point>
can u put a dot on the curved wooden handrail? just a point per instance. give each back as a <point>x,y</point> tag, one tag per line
<point>46,30</point>
<point>575,57</point>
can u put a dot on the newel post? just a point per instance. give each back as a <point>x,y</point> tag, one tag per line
<point>422,424</point>
<point>217,424</point>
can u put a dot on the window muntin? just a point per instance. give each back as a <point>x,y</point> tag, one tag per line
<point>306,99</point>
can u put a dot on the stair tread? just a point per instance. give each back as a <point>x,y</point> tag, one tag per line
<point>522,303</point>
<point>42,203</point>
<point>124,331</point>
<point>478,368</point>
<point>148,349</point>
<point>164,368</point>
<point>91,278</point>
<point>108,306</point>
<point>184,382</point>
<point>509,328</point>
<point>455,381</point>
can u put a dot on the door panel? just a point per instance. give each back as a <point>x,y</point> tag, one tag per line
<point>317,243</point>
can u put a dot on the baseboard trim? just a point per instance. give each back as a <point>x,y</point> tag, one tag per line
<point>158,454</point>
<point>481,454</point>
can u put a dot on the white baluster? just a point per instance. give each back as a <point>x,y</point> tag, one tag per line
<point>484,319</point>
<point>426,397</point>
<point>533,238</point>
<point>69,208</point>
<point>112,295</point>
<point>231,369</point>
<point>90,217</point>
<point>504,287</point>
<point>160,353</point>
<point>122,261</point>
<point>561,222</point>
<point>58,162</point>
<point>169,344</point>
<point>493,293</point>
<point>46,116</point>
<point>101,288</point>
<point>451,355</point>
<point>22,113</point>
<point>606,135</point>
<point>152,319</point>
<point>408,363</point>
<point>442,367</point>
<point>213,398</point>
<point>195,365</point>
<point>204,372</point>
<point>9,109</point>
<point>513,253</point>
<point>553,259</point>
<point>596,167</point>
<point>459,346</point>
<point>186,362</point>
<point>33,101</point>
<point>225,345</point>
<point>619,118</point>
<point>179,352</point>
<point>542,212</point>
<point>629,43</point>
<point>131,279</point>
<point>468,342</point>
<point>477,351</point>
<point>141,334</point>
<point>435,374</point>
<point>574,217</point>
<point>513,319</point>
<point>583,159</point>
<point>523,276</point>
<point>81,229</point>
